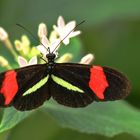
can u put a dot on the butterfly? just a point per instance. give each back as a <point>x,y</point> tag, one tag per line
<point>70,84</point>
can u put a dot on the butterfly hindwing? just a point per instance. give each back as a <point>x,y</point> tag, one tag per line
<point>97,83</point>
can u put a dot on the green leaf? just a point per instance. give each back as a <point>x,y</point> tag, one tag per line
<point>12,117</point>
<point>109,119</point>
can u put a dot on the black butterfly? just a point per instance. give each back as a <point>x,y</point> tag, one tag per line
<point>70,84</point>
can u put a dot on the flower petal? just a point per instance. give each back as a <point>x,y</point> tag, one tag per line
<point>53,36</point>
<point>58,30</point>
<point>42,49</point>
<point>66,41</point>
<point>22,61</point>
<point>60,22</point>
<point>55,45</point>
<point>33,61</point>
<point>70,26</point>
<point>45,41</point>
<point>73,34</point>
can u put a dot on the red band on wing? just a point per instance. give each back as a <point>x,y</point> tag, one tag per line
<point>9,86</point>
<point>98,82</point>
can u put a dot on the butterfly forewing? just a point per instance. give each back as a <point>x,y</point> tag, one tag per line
<point>2,98</point>
<point>119,85</point>
<point>28,87</point>
<point>69,85</point>
<point>34,91</point>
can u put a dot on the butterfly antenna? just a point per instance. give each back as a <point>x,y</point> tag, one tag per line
<point>68,34</point>
<point>41,57</point>
<point>33,36</point>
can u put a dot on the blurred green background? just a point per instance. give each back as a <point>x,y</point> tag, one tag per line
<point>111,32</point>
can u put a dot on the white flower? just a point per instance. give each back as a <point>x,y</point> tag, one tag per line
<point>48,47</point>
<point>64,29</point>
<point>23,62</point>
<point>87,59</point>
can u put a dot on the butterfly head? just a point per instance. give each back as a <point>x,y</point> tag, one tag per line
<point>50,57</point>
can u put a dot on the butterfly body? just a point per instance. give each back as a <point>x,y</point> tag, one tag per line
<point>70,84</point>
<point>50,65</point>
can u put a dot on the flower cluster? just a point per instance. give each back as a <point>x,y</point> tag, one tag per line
<point>26,54</point>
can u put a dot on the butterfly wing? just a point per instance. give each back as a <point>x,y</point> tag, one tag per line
<point>25,88</point>
<point>119,85</point>
<point>69,85</point>
<point>77,85</point>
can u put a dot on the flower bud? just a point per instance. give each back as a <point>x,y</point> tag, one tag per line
<point>42,30</point>
<point>65,58</point>
<point>18,45</point>
<point>87,59</point>
<point>3,62</point>
<point>25,40</point>
<point>3,34</point>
